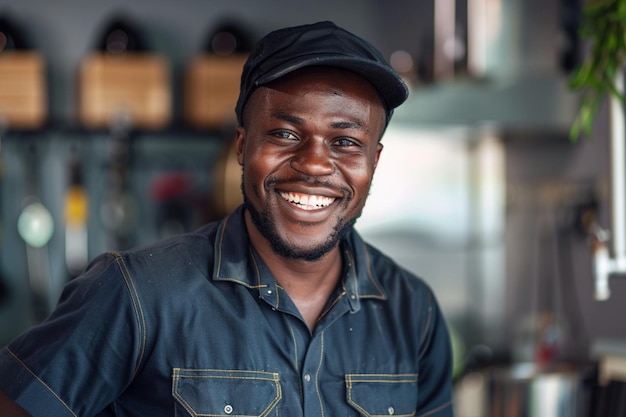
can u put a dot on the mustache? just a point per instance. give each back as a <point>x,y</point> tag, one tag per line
<point>310,180</point>
<point>347,192</point>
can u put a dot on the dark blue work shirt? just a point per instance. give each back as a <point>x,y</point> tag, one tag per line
<point>198,326</point>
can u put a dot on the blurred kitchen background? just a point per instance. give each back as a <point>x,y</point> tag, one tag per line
<point>116,125</point>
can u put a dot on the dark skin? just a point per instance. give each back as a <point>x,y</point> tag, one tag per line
<point>315,133</point>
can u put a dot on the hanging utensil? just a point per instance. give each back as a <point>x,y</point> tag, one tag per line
<point>76,215</point>
<point>120,210</point>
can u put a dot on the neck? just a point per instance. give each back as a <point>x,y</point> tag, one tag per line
<point>308,283</point>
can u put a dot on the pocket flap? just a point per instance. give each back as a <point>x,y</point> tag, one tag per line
<point>377,395</point>
<point>210,392</point>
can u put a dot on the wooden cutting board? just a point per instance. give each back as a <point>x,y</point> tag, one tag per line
<point>211,90</point>
<point>135,86</point>
<point>22,89</point>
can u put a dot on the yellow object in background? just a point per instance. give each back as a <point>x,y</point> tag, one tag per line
<point>76,206</point>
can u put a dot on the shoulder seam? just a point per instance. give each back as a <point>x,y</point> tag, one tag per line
<point>138,310</point>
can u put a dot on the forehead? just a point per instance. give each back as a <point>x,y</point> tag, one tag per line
<point>332,80</point>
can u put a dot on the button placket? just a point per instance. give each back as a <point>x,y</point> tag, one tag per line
<point>312,363</point>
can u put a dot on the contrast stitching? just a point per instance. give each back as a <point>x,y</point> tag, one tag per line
<point>218,273</point>
<point>330,307</point>
<point>317,373</point>
<point>295,346</point>
<point>258,274</point>
<point>392,379</point>
<point>223,374</point>
<point>244,283</point>
<point>370,274</point>
<point>41,382</point>
<point>179,373</point>
<point>256,266</point>
<point>181,400</point>
<point>219,246</point>
<point>139,315</point>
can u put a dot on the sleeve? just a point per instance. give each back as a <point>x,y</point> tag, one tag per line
<point>80,358</point>
<point>435,375</point>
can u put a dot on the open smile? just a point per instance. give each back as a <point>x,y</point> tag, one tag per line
<point>307,201</point>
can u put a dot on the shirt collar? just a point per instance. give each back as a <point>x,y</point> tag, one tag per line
<point>236,262</point>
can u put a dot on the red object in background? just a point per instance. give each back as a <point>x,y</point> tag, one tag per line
<point>170,185</point>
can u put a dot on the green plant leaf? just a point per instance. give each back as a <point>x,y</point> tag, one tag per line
<point>604,25</point>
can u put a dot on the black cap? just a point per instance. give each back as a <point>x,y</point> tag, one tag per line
<point>286,50</point>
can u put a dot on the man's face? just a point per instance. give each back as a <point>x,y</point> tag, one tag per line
<point>308,148</point>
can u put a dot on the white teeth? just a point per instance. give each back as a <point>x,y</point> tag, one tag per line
<point>308,202</point>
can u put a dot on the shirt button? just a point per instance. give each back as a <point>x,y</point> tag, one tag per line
<point>228,409</point>
<point>307,377</point>
<point>391,411</point>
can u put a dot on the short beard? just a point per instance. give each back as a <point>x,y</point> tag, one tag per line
<point>265,224</point>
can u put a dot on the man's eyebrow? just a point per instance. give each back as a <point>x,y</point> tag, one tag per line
<point>335,125</point>
<point>288,118</point>
<point>349,125</point>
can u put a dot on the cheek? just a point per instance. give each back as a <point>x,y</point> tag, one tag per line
<point>359,178</point>
<point>258,168</point>
<point>266,161</point>
<point>360,171</point>
<point>259,165</point>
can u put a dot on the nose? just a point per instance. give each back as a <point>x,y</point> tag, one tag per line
<point>313,158</point>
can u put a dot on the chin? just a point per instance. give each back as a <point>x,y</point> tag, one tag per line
<point>267,226</point>
<point>310,254</point>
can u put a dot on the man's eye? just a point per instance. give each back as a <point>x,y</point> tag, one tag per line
<point>284,135</point>
<point>345,142</point>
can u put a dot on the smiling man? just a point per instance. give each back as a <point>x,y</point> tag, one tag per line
<point>280,309</point>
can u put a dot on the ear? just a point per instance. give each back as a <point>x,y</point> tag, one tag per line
<point>379,149</point>
<point>240,136</point>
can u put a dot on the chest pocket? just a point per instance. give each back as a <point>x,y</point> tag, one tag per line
<point>228,393</point>
<point>377,395</point>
